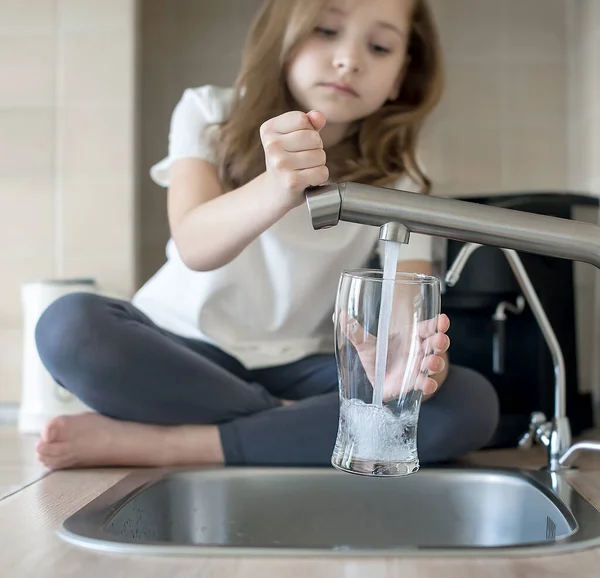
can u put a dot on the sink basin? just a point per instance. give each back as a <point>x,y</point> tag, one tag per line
<point>321,511</point>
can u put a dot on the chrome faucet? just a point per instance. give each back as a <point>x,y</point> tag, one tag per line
<point>399,213</point>
<point>554,434</point>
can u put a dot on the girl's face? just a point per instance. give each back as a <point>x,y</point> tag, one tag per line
<point>354,59</point>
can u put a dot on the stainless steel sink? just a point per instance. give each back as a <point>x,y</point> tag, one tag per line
<point>289,511</point>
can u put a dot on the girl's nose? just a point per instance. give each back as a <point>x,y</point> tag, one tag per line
<point>346,60</point>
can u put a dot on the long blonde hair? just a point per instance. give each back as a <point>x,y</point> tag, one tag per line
<point>382,149</point>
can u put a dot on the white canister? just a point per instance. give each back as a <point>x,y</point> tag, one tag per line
<point>41,397</point>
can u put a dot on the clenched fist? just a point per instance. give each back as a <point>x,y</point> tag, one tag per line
<point>294,154</point>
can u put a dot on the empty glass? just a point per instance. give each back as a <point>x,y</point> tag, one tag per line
<point>379,404</point>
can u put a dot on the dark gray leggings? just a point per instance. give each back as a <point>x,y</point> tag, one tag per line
<point>119,363</point>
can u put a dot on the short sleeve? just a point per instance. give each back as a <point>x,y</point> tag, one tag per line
<point>191,131</point>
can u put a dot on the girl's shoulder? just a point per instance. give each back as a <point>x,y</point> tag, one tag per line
<point>405,183</point>
<point>193,127</point>
<point>209,102</point>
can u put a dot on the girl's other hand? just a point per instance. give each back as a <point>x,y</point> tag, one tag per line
<point>294,154</point>
<point>406,369</point>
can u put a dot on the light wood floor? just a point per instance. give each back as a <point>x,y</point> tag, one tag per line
<point>18,463</point>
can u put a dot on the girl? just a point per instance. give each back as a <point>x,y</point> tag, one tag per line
<point>224,356</point>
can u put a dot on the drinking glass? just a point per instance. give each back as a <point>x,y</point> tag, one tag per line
<point>394,319</point>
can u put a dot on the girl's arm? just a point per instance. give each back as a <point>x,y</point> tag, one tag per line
<point>210,228</point>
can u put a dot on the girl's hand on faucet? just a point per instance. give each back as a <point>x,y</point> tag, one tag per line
<point>414,355</point>
<point>294,154</point>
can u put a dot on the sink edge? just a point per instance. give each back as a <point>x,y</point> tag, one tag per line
<point>135,483</point>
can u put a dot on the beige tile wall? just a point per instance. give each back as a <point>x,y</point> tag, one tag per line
<point>501,123</point>
<point>584,101</point>
<point>183,43</point>
<point>67,89</point>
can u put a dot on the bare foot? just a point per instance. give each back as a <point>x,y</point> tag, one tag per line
<point>91,439</point>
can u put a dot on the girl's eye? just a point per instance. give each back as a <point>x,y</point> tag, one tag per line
<point>380,49</point>
<point>328,32</point>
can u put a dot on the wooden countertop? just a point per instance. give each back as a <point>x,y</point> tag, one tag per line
<point>30,547</point>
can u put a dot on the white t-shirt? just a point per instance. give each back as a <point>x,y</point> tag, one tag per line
<point>273,303</point>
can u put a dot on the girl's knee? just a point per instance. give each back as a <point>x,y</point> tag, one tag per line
<point>476,404</point>
<point>462,417</point>
<point>63,326</point>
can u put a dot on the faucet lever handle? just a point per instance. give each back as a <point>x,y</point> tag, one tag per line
<point>537,431</point>
<point>526,441</point>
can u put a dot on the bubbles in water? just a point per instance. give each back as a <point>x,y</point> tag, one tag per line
<point>370,432</point>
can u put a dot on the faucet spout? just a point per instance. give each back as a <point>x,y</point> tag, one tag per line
<point>507,229</point>
<point>454,219</point>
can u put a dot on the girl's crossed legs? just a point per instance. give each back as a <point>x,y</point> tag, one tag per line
<point>164,400</point>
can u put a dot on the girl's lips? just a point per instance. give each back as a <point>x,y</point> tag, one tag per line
<point>340,87</point>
